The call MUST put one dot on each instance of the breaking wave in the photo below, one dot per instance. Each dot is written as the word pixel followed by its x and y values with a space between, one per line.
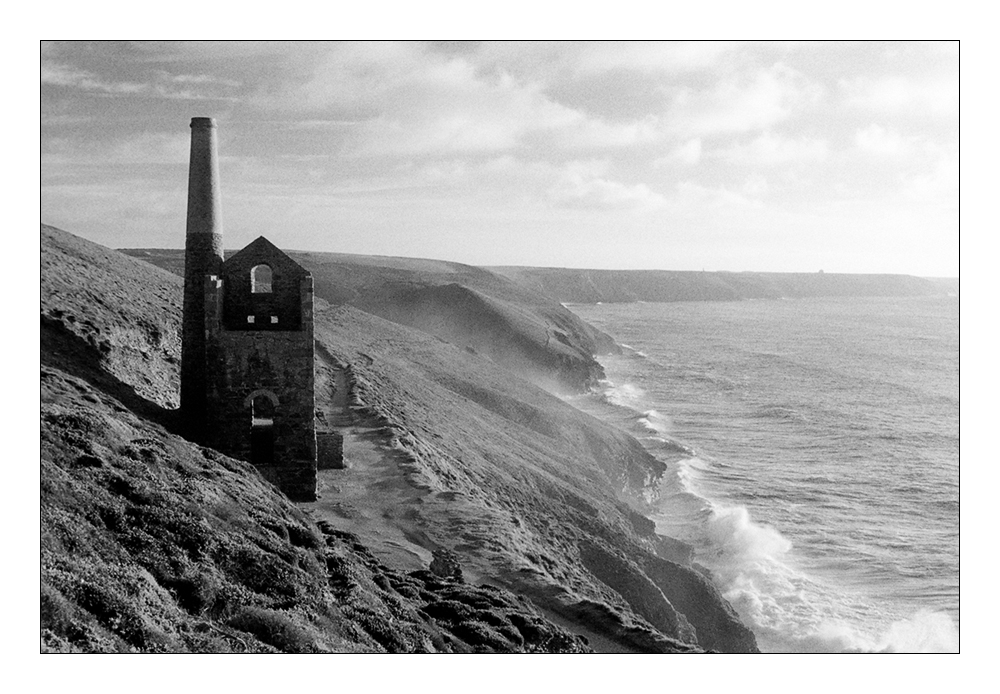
pixel 787 608
pixel 625 395
pixel 754 565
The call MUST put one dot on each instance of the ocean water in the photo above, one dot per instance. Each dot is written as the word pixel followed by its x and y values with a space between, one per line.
pixel 813 458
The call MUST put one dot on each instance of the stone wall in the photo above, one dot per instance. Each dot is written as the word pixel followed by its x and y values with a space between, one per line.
pixel 330 451
pixel 279 309
pixel 270 367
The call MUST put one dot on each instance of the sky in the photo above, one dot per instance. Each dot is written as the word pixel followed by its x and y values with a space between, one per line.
pixel 664 155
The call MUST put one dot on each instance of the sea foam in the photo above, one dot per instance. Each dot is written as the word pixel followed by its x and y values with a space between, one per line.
pixel 753 563
pixel 788 609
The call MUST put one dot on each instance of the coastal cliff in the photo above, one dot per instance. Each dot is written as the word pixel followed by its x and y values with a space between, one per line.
pixel 622 286
pixel 514 326
pixel 152 543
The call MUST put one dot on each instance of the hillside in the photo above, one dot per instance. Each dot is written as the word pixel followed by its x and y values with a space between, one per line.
pixel 152 543
pixel 620 286
pixel 516 327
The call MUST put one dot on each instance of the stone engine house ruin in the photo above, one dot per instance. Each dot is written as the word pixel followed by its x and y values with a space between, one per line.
pixel 247 362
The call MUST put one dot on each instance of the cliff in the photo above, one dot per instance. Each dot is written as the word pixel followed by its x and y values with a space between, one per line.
pixel 152 543
pixel 517 327
pixel 620 286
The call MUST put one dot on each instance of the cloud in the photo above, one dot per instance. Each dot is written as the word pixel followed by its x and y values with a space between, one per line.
pixel 772 150
pixel 408 100
pixel 734 104
pixel 879 141
pixel 687 154
pixel 935 94
pixel 755 186
pixel 199 79
pixel 691 195
pixel 64 155
pixel 655 56
pixel 941 182
pixel 553 61
pixel 65 76
pixel 578 184
pixel 163 85
pixel 582 184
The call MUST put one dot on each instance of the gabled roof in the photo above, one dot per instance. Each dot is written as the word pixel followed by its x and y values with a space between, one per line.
pixel 261 251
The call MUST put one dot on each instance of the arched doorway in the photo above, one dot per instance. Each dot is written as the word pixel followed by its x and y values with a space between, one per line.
pixel 263 404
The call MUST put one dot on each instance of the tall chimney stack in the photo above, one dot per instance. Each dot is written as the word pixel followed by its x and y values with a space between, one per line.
pixel 203 256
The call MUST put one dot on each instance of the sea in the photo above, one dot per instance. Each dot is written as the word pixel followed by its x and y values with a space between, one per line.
pixel 812 448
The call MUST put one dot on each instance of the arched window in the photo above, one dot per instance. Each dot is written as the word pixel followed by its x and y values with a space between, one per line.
pixel 260 279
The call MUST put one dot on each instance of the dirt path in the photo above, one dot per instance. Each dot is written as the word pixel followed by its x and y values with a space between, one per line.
pixel 373 499
pixel 372 496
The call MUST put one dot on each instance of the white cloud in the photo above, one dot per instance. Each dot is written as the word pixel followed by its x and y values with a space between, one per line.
pixel 63 156
pixel 770 150
pixel 755 186
pixel 163 85
pixel 941 182
pixel 934 94
pixel 575 184
pixel 65 76
pixel 555 60
pixel 694 195
pixel 878 140
pixel 199 79
pixel 583 184
pixel 408 101
pixel 656 56
pixel 687 154
pixel 736 105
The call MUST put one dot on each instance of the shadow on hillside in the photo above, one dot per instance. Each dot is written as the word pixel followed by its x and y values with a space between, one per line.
pixel 63 349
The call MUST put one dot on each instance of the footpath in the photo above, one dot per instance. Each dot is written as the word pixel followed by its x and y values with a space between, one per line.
pixel 370 494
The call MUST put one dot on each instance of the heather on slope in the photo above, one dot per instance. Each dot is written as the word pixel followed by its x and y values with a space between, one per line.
pixel 153 544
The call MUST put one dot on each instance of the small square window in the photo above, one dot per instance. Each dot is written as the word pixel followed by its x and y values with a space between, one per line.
pixel 274 319
pixel 249 319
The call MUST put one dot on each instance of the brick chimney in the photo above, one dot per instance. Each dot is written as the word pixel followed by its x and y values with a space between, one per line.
pixel 203 256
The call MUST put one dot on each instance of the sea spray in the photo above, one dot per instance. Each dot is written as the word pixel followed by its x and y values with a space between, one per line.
pixel 788 610
pixel 624 395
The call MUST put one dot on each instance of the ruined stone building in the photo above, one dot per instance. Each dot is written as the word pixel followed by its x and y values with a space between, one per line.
pixel 247 378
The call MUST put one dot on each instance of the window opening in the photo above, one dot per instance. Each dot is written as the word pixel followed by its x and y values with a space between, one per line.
pixel 250 319
pixel 274 319
pixel 260 279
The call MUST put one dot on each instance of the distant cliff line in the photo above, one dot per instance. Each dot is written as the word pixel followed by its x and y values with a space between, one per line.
pixel 623 286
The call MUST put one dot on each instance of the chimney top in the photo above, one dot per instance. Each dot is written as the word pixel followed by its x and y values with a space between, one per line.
pixel 202 122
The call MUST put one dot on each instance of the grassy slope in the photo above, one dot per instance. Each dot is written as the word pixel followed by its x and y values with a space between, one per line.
pixel 523 487
pixel 151 543
pixel 516 327
pixel 527 489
